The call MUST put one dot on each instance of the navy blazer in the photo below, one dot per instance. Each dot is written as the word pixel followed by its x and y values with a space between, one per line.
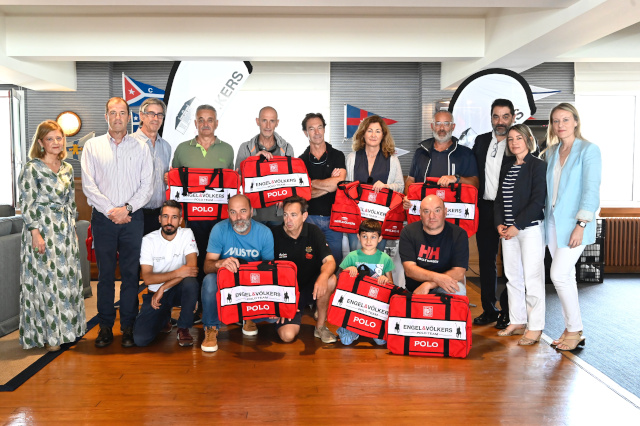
pixel 529 192
pixel 480 150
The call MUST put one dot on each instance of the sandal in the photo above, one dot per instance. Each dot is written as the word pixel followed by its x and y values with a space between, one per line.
pixel 559 339
pixel 572 341
pixel 511 332
pixel 526 341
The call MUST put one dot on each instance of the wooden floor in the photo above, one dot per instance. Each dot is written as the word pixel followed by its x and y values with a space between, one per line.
pixel 259 380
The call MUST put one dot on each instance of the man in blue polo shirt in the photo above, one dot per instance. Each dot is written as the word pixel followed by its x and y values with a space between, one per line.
pixel 442 157
pixel 238 237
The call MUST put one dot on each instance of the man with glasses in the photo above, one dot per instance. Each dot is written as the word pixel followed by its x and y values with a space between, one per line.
pixel 442 157
pixel 152 112
pixel 116 178
pixel 326 167
pixel 489 153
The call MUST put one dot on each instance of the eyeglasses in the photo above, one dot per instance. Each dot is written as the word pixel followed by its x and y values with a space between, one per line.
pixel 442 123
pixel 154 115
pixel 495 150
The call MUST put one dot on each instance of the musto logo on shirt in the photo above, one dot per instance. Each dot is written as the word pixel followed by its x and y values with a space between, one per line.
pixel 257 293
pixel 361 304
pixel 372 211
pixel 435 329
pixel 265 183
pixel 210 196
pixel 240 252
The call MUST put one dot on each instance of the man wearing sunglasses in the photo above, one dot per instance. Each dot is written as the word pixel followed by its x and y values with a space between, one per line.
pixel 152 112
pixel 489 152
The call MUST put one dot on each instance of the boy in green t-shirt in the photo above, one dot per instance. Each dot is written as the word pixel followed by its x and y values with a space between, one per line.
pixel 379 264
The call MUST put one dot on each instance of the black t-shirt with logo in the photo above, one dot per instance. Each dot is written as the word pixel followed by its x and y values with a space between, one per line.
pixel 321 168
pixel 436 253
pixel 307 252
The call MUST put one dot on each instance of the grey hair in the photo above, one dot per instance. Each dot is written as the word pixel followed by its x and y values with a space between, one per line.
pixel 206 107
pixel 443 110
pixel 153 101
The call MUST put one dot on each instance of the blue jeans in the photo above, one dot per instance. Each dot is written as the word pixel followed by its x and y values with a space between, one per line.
pixel 150 321
pixel 354 243
pixel 117 243
pixel 209 303
pixel 334 239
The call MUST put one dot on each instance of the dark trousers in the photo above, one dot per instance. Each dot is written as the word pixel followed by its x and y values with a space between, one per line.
pixel 150 321
pixel 488 241
pixel 151 221
pixel 117 243
pixel 201 230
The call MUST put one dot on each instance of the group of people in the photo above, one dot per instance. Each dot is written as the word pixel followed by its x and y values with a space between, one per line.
pixel 125 176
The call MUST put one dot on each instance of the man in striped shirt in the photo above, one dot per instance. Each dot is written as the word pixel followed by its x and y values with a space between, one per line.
pixel 116 178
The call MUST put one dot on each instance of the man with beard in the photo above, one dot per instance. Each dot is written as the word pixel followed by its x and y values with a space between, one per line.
pixel 489 152
pixel 152 112
pixel 238 237
pixel 168 260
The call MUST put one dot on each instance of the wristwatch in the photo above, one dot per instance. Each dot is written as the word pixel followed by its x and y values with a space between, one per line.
pixel 129 208
pixel 457 176
pixel 581 223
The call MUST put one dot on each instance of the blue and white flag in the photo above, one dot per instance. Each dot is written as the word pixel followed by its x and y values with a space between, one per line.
pixel 136 92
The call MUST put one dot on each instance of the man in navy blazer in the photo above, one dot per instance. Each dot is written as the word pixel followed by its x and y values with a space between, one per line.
pixel 489 151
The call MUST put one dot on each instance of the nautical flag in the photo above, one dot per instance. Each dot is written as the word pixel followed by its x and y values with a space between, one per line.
pixel 353 116
pixel 135 121
pixel 74 148
pixel 135 92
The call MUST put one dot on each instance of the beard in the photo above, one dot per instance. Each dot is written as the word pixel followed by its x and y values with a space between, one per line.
pixel 169 229
pixel 444 138
pixel 500 130
pixel 240 225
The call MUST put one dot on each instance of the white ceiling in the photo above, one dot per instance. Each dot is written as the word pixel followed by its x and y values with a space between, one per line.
pixel 40 40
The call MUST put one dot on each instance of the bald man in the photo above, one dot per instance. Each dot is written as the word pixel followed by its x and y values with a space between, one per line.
pixel 434 252
pixel 266 143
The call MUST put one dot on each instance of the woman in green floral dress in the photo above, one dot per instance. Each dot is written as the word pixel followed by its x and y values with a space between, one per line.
pixel 51 302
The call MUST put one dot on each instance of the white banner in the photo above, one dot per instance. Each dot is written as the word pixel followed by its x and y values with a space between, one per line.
pixel 209 196
pixel 195 83
pixel 372 211
pixel 266 183
pixel 361 304
pixel 435 329
pixel 257 293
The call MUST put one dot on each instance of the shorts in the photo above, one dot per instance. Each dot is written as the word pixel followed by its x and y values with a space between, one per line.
pixel 297 320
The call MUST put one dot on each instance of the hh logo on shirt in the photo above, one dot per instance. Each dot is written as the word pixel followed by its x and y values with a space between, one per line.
pixel 429 253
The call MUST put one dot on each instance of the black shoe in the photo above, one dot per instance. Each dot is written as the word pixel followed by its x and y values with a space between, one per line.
pixel 127 338
pixel 105 337
pixel 485 318
pixel 503 321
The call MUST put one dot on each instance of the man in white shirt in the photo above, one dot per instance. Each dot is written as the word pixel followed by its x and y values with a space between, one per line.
pixel 152 112
pixel 116 178
pixel 489 152
pixel 168 260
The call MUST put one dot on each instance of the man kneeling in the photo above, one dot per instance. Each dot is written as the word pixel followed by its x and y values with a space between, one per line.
pixel 168 262
pixel 305 245
pixel 434 253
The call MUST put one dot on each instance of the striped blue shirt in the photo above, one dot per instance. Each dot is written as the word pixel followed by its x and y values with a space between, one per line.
pixel 161 156
pixel 113 175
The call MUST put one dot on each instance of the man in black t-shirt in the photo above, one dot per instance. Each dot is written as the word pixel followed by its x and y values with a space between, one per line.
pixel 305 245
pixel 434 253
pixel 326 167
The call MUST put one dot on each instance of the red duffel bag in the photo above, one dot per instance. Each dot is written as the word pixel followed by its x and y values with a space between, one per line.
pixel 258 290
pixel 384 206
pixel 460 199
pixel 436 325
pixel 268 182
pixel 361 305
pixel 204 193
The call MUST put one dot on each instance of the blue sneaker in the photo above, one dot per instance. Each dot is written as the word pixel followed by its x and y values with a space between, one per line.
pixel 380 342
pixel 347 337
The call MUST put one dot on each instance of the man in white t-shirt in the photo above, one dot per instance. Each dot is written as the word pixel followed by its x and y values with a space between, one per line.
pixel 168 262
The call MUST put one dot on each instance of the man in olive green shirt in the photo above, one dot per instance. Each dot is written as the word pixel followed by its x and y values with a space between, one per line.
pixel 208 152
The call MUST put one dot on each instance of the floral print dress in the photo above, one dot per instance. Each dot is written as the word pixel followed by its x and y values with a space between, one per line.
pixel 51 300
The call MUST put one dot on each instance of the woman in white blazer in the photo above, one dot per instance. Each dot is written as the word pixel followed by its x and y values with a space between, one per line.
pixel 574 168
